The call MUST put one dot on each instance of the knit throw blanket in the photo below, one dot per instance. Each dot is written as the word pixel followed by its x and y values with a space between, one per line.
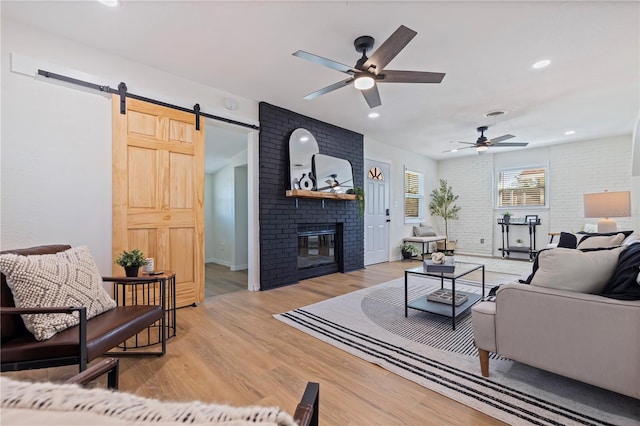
pixel 129 407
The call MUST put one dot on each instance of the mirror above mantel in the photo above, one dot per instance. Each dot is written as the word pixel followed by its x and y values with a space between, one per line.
pixel 315 175
pixel 302 147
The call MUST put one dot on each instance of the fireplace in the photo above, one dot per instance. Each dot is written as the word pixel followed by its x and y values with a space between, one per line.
pixel 319 249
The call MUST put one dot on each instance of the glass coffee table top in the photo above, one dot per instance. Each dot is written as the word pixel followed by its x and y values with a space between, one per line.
pixel 461 269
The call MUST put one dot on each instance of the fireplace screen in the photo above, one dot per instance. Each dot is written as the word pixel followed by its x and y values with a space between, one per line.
pixel 316 248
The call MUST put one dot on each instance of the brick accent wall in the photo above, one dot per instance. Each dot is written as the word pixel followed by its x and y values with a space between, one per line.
pixel 574 169
pixel 278 215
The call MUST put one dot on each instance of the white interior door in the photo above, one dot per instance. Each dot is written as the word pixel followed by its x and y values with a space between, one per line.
pixel 376 220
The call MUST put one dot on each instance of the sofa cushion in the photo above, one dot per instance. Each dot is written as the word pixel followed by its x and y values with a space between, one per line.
pixel 576 270
pixel 595 241
pixel 112 407
pixel 68 278
pixel 423 231
pixel 625 282
pixel 567 240
pixel 571 240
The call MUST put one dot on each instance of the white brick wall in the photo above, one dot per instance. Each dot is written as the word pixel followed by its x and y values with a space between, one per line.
pixel 585 167
pixel 574 169
pixel 471 178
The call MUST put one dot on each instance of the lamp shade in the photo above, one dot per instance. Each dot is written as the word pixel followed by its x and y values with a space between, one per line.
pixel 606 205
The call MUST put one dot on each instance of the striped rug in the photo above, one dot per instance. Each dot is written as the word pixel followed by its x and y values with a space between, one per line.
pixel 370 324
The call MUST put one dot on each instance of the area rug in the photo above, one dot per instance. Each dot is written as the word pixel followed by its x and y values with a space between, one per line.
pixel 503 266
pixel 370 324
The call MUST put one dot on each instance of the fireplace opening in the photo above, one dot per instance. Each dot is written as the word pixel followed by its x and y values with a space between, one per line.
pixel 319 250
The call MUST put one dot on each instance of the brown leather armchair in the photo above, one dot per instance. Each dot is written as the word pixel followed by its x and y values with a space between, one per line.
pixel 19 350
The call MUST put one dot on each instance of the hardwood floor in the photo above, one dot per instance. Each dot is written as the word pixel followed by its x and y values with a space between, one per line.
pixel 230 349
pixel 219 279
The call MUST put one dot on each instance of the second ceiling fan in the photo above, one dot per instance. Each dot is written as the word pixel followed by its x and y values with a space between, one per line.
pixel 483 143
pixel 368 71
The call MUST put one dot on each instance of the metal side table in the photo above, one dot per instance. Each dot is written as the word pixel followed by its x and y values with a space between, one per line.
pixel 147 289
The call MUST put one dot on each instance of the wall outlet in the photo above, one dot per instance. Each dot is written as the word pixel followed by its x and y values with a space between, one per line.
pixel 481 240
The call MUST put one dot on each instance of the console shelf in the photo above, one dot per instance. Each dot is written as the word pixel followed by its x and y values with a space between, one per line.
pixel 508 249
pixel 303 193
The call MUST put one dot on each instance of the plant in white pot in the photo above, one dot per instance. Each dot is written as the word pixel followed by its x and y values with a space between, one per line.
pixel 443 204
pixel 131 261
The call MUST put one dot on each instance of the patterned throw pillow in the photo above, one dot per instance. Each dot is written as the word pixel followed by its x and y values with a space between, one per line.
pixel 68 278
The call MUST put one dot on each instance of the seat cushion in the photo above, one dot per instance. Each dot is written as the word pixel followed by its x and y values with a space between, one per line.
pixel 68 278
pixel 104 332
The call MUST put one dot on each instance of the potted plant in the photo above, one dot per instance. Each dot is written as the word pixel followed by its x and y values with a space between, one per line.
pixel 442 204
pixel 506 217
pixel 519 242
pixel 408 250
pixel 131 261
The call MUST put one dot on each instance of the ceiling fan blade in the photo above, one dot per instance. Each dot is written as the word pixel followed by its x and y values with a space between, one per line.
pixel 410 77
pixel 498 145
pixel 468 143
pixel 372 96
pixel 334 86
pixel 458 149
pixel 325 62
pixel 500 139
pixel 389 49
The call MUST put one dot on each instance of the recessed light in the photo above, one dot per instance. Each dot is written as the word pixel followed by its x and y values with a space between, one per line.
pixel 374 115
pixel 570 132
pixel 110 3
pixel 541 64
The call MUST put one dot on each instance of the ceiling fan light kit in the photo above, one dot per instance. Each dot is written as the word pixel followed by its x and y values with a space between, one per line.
pixel 370 70
pixel 363 81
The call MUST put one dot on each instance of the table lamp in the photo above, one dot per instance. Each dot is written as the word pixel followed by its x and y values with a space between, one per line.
pixel 607 205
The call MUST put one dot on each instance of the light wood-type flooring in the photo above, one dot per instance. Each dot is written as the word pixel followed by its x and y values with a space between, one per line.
pixel 230 349
pixel 219 279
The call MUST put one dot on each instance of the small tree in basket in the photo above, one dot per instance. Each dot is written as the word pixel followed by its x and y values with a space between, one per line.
pixel 442 204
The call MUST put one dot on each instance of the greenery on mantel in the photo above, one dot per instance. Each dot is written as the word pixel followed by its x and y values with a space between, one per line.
pixel 359 193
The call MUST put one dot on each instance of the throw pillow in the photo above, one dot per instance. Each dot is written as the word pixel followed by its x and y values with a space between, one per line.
pixel 624 284
pixel 68 278
pixel 567 240
pixel 576 270
pixel 423 231
pixel 595 241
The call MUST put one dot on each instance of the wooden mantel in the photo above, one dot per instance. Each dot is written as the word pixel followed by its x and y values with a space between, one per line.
pixel 303 193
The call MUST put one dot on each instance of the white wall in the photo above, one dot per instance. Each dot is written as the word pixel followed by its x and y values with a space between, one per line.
pixel 574 169
pixel 398 159
pixel 56 141
pixel 241 197
pixel 221 244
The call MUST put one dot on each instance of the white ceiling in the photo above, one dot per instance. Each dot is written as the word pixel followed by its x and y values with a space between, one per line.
pixel 485 48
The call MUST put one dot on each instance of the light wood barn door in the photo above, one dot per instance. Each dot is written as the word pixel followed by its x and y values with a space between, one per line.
pixel 158 192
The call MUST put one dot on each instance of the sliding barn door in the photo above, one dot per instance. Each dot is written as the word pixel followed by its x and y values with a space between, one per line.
pixel 158 192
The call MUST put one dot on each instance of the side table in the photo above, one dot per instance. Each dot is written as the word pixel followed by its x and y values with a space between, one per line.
pixel 148 289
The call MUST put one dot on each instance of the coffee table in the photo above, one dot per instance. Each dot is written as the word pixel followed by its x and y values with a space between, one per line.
pixel 422 304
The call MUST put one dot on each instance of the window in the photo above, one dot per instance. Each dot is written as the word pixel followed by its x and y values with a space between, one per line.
pixel 522 187
pixel 413 196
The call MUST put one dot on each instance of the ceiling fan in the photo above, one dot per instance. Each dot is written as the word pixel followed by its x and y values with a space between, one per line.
pixel 368 71
pixel 483 143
